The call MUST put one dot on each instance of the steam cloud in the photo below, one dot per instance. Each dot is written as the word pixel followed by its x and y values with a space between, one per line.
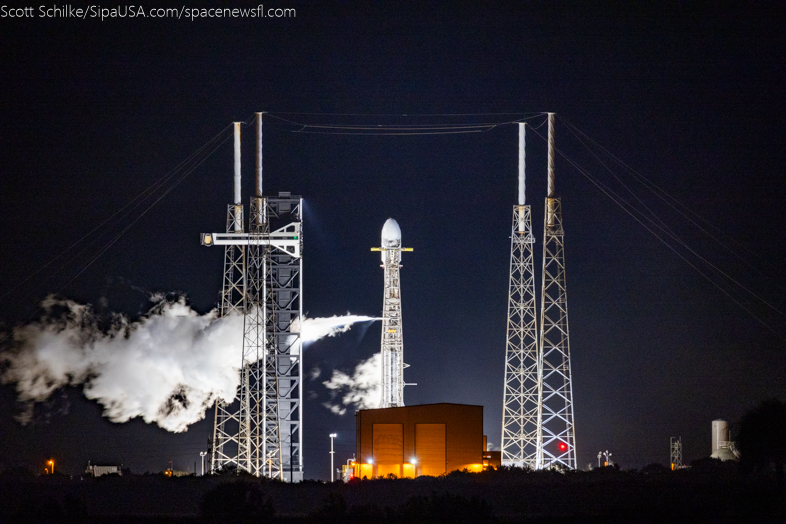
pixel 168 367
pixel 316 328
pixel 363 390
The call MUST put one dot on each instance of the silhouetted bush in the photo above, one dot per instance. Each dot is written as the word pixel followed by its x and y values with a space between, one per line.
pixel 237 502
pixel 371 513
pixel 18 474
pixel 334 509
pixel 446 507
pixel 761 439
pixel 74 507
pixel 655 469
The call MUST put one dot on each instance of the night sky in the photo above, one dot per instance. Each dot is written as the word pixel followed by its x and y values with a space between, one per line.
pixel 689 95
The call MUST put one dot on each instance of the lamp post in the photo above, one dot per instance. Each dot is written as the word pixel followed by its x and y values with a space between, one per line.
pixel 607 455
pixel 600 454
pixel 51 467
pixel 332 470
pixel 202 456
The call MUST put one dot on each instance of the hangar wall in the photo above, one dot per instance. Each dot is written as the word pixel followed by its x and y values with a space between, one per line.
pixel 409 441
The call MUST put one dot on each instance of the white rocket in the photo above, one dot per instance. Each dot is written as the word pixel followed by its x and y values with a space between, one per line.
pixel 392 344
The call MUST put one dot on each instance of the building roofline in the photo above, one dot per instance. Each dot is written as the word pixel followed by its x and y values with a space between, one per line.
pixel 423 405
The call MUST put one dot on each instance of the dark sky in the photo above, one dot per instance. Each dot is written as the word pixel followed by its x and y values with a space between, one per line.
pixel 688 94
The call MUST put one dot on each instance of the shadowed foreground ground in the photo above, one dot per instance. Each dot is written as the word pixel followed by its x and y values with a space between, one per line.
pixel 708 492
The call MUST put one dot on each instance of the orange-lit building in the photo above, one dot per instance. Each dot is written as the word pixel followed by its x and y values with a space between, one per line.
pixel 409 441
pixel 491 459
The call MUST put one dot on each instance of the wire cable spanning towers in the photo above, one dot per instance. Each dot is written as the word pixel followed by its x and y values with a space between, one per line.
pixel 392 344
pixel 262 432
pixel 537 421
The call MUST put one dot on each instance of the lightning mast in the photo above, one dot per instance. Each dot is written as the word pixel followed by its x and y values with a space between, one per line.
pixel 520 414
pixel 556 435
pixel 269 418
pixel 232 302
pixel 392 344
pixel 257 446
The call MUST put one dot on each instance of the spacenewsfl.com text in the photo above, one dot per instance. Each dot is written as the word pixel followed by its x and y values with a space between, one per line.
pixel 100 12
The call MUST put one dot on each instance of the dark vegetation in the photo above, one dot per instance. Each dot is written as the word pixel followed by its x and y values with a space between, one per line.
pixel 761 439
pixel 709 491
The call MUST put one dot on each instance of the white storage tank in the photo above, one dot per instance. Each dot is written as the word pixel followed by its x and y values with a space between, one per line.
pixel 720 435
pixel 721 446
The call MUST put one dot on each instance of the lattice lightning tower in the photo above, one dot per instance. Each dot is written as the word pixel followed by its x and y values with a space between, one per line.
pixel 520 415
pixel 556 439
pixel 392 344
pixel 269 417
pixel 225 427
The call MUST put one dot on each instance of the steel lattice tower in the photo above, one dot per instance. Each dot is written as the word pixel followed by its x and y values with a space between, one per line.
pixel 675 445
pixel 257 445
pixel 392 343
pixel 556 439
pixel 520 415
pixel 225 427
pixel 269 417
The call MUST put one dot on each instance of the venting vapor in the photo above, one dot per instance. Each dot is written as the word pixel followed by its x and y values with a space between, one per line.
pixel 361 390
pixel 316 328
pixel 168 367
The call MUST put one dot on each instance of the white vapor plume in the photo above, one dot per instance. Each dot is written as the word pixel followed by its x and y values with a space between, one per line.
pixel 167 367
pixel 363 390
pixel 315 328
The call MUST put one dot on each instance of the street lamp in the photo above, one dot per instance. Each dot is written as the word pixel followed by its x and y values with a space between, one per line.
pixel 52 467
pixel 332 471
pixel 202 454
pixel 600 454
pixel 607 455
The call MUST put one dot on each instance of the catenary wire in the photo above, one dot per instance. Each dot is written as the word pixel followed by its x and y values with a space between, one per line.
pixel 183 170
pixel 666 229
pixel 144 195
pixel 669 200
pixel 622 203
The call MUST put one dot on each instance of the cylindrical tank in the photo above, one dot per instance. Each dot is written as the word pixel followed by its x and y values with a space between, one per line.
pixel 720 434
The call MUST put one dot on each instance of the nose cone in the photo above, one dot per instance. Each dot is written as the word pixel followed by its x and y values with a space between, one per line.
pixel 391 234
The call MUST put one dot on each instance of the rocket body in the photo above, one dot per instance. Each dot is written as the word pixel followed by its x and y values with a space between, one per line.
pixel 392 343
